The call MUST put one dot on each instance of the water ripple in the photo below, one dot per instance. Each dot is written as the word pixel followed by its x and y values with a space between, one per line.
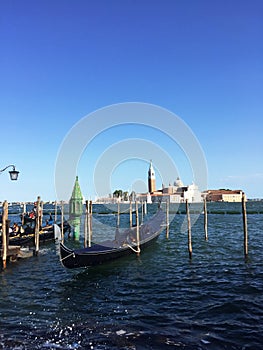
pixel 161 300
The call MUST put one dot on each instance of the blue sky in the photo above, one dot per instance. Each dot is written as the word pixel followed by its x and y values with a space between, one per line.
pixel 61 60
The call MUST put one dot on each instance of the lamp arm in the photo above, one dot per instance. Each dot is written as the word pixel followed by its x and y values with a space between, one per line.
pixel 7 167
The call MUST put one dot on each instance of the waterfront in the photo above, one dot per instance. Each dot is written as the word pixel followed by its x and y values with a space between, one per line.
pixel 161 300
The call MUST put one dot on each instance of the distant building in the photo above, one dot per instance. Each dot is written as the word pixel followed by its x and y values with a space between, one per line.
pixel 151 179
pixel 224 195
pixel 107 200
pixel 176 193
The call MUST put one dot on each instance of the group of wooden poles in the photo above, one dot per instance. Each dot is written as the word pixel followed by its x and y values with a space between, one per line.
pixel 88 224
pixel 244 215
pixel 6 225
pixel 88 221
pixel 39 220
pixel 38 226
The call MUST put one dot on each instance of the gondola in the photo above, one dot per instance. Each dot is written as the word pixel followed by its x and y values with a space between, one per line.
pixel 124 244
pixel 27 237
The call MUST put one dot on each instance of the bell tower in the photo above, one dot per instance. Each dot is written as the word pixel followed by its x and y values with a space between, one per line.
pixel 151 179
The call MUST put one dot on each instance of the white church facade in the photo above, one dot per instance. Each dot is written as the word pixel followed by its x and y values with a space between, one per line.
pixel 176 193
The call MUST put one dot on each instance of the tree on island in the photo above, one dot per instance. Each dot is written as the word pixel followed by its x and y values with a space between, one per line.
pixel 124 195
pixel 132 196
pixel 117 194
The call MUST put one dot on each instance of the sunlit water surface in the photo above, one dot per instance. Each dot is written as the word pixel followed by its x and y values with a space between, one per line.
pixel 161 300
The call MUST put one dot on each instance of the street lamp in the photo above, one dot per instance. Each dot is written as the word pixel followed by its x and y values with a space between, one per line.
pixel 13 173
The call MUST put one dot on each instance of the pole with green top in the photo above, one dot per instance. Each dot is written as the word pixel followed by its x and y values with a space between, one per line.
pixel 75 208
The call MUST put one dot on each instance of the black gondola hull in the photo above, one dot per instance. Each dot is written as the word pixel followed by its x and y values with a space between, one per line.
pixel 99 253
pixel 73 259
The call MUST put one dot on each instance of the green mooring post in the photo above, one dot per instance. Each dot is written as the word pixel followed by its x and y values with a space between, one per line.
pixel 75 208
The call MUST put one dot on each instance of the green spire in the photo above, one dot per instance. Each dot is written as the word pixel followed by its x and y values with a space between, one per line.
pixel 76 193
pixel 75 202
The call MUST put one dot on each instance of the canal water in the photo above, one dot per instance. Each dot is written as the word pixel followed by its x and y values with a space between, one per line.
pixel 160 300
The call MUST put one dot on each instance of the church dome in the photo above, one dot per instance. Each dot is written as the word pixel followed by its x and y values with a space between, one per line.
pixel 178 182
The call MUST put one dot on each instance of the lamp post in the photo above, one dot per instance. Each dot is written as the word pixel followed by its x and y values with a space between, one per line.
pixel 13 173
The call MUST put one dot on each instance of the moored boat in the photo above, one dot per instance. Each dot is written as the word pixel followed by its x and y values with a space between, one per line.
pixel 124 244
pixel 26 236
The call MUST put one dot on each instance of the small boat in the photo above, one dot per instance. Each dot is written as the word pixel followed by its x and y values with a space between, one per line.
pixel 27 236
pixel 124 244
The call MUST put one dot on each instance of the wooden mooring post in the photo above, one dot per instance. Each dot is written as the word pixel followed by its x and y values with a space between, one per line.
pixel 56 212
pixel 38 225
pixel 87 226
pixel 190 250
pixel 137 228
pixel 86 223
pixel 167 219
pixel 5 233
pixel 90 222
pixel 244 211
pixel 41 214
pixel 118 215
pixel 205 220
pixel 130 213
pixel 62 221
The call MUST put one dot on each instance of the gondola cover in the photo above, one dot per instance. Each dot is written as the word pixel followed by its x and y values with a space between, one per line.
pixel 125 243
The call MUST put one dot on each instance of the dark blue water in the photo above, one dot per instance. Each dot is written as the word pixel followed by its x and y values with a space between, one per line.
pixel 161 300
